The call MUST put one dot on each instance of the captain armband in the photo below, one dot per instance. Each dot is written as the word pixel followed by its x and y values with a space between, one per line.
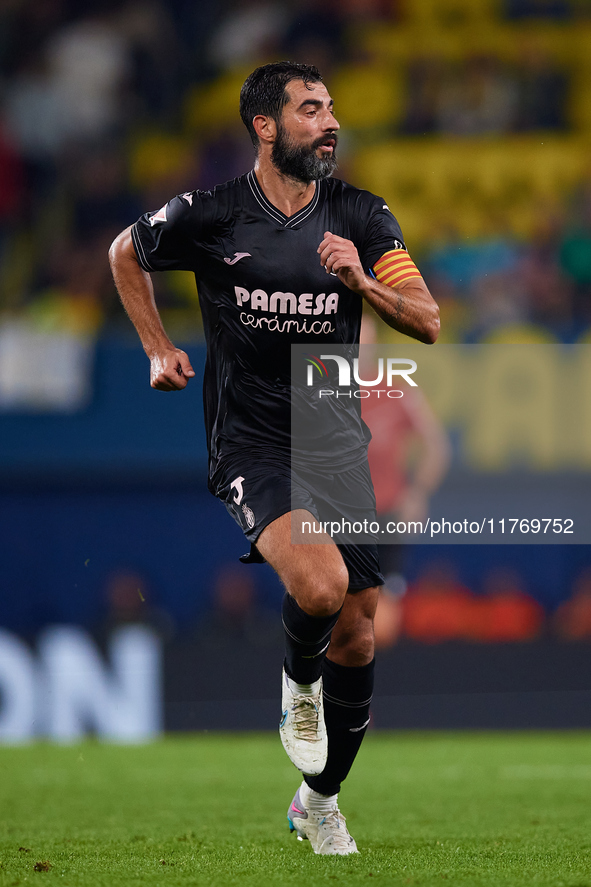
pixel 395 267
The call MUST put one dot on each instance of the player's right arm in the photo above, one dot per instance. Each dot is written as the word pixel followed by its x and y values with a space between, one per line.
pixel 170 368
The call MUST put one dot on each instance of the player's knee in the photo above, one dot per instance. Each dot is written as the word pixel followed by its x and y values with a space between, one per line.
pixel 323 592
pixel 327 597
pixel 354 645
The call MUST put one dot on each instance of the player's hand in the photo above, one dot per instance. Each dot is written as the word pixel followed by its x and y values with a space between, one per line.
pixel 170 370
pixel 339 256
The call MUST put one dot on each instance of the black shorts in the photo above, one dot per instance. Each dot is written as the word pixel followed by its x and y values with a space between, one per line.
pixel 257 492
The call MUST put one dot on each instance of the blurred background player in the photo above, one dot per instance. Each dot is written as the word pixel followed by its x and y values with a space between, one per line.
pixel 409 455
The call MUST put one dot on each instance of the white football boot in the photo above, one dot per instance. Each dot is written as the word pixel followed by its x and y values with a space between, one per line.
pixel 317 818
pixel 302 728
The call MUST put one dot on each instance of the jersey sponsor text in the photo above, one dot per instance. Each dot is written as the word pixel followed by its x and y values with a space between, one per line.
pixel 287 303
pixel 275 325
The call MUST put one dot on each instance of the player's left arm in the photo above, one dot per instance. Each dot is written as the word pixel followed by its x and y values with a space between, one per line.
pixel 407 306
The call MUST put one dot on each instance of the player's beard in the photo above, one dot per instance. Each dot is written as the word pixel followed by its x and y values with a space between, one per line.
pixel 300 162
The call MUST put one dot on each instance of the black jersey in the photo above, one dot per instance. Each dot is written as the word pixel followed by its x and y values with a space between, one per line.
pixel 262 288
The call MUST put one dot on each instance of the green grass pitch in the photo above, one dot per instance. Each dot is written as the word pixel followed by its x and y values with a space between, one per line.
pixel 210 809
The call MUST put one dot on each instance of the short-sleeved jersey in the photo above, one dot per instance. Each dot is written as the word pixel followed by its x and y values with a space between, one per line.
pixel 262 288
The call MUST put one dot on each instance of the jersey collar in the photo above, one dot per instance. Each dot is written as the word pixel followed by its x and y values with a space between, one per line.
pixel 276 214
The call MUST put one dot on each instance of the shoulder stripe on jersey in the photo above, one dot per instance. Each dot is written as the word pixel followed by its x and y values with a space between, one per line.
pixel 395 267
pixel 139 248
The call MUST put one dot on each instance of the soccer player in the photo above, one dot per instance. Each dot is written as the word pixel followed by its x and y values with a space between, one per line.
pixel 286 254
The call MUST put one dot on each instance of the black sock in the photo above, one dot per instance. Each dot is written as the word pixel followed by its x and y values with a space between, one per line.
pixel 347 696
pixel 306 641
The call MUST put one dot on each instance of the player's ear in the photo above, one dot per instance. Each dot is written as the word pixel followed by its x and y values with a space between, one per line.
pixel 265 128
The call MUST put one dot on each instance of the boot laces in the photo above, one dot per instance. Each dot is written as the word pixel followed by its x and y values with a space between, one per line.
pixel 305 717
pixel 334 826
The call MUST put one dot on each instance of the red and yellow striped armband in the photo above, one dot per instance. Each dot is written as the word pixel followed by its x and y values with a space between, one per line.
pixel 395 267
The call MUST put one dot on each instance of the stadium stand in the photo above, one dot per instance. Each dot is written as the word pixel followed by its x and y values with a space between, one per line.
pixel 472 119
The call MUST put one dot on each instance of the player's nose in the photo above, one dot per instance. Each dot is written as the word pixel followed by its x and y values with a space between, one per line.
pixel 330 122
pixel 333 123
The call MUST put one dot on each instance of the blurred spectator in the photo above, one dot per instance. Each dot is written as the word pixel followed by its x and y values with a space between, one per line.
pixel 193 24
pixel 315 33
pixel 88 63
pixel 157 61
pixel 575 251
pixel 463 263
pixel 236 615
pixel 66 93
pixel 409 455
pixel 482 95
pixel 478 97
pixel 543 89
pixel 249 33
pixel 437 607
pixel 572 620
pixel 388 617
pixel 35 117
pixel 497 299
pixel 25 25
pixel 548 292
pixel 225 156
pixel 129 600
pixel 505 613
pixel 102 202
pixel 77 289
pixel 373 10
pixel 423 87
pixel 554 9
pixel 12 188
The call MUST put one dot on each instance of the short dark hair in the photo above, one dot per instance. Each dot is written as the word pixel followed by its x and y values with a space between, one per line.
pixel 263 91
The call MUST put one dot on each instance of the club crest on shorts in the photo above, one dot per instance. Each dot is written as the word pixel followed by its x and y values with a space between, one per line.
pixel 248 515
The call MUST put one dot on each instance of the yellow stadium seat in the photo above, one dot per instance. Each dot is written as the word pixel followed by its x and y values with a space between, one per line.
pixel 450 13
pixel 214 105
pixel 156 156
pixel 366 96
pixel 471 178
